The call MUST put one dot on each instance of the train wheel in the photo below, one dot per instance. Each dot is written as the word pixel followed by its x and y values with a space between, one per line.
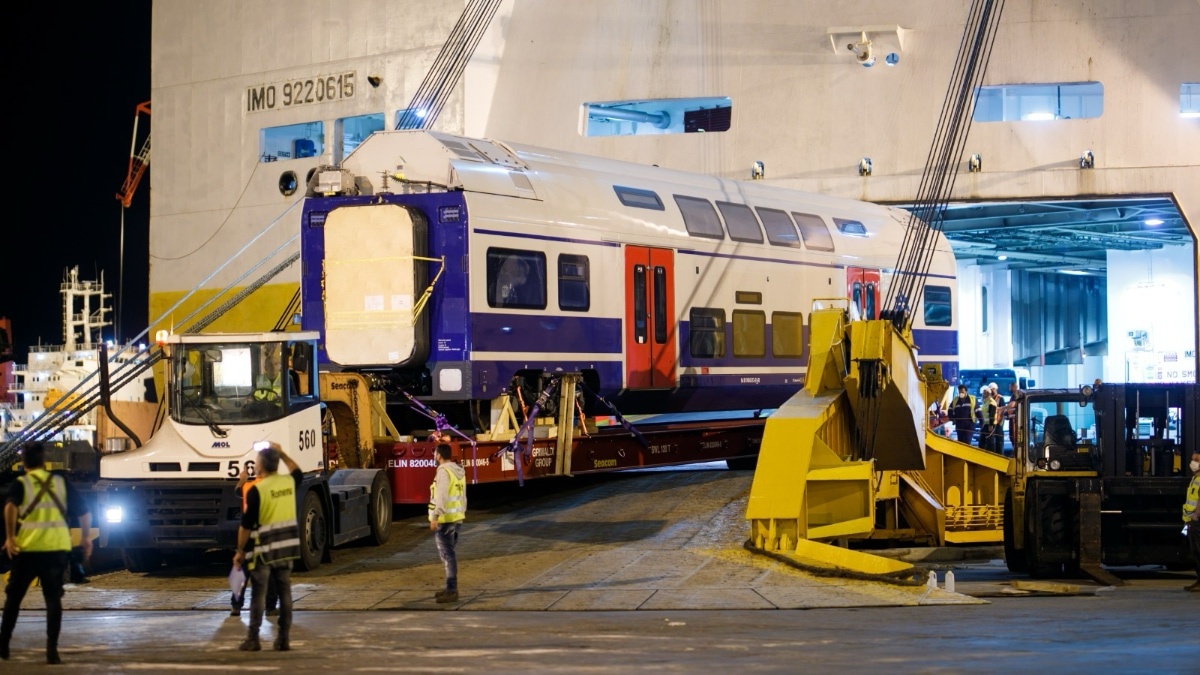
pixel 142 560
pixel 1014 559
pixel 312 532
pixel 380 517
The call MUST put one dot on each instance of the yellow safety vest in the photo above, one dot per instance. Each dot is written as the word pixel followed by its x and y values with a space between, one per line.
pixel 456 510
pixel 269 389
pixel 277 538
pixel 1193 497
pixel 42 525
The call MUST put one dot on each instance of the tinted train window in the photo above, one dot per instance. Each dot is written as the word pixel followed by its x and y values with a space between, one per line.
pixel 574 294
pixel 749 333
pixel 787 334
pixel 516 279
pixel 740 222
pixel 700 217
pixel 851 228
pixel 937 306
pixel 708 333
pixel 813 230
pixel 642 199
pixel 780 230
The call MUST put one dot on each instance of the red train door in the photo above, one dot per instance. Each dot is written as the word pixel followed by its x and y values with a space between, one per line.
pixel 649 318
pixel 862 288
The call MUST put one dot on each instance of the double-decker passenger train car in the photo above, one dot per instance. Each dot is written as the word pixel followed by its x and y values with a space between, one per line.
pixel 458 267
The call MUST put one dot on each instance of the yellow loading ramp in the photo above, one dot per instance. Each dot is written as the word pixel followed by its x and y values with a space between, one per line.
pixel 807 491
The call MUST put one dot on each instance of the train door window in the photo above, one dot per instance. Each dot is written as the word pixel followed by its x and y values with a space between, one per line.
pixel 856 298
pixel 699 217
pixel 639 304
pixel 707 333
pixel 937 306
pixel 749 333
pixel 574 291
pixel 850 228
pixel 869 301
pixel 740 222
pixel 779 227
pixel 516 279
pixel 642 199
pixel 814 232
pixel 787 334
pixel 660 305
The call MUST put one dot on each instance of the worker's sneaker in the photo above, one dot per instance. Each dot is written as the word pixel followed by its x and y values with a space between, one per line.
pixel 281 644
pixel 446 596
pixel 52 657
pixel 274 611
pixel 250 644
pixel 1195 588
pixel 235 611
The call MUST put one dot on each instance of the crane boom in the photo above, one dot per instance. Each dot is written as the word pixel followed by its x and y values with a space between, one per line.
pixel 139 158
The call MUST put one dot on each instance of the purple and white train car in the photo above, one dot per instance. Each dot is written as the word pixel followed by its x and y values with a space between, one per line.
pixel 458 266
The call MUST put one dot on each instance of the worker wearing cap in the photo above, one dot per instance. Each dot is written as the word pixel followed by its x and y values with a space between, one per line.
pixel 447 511
pixel 270 518
pixel 1191 518
pixel 37 540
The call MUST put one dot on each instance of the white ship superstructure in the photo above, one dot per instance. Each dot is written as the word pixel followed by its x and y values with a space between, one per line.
pixel 55 371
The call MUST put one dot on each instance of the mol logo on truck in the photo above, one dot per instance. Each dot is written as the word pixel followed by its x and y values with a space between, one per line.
pixel 221 444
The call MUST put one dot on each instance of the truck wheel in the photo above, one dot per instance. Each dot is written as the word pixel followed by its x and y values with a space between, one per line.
pixel 142 560
pixel 380 516
pixel 1014 559
pixel 312 532
pixel 742 463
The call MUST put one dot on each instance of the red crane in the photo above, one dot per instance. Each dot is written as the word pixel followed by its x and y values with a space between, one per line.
pixel 138 161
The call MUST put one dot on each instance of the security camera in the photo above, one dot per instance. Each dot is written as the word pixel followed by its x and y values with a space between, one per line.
pixel 862 51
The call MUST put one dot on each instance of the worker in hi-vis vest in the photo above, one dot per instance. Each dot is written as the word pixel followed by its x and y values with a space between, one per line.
pixel 269 520
pixel 447 510
pixel 37 540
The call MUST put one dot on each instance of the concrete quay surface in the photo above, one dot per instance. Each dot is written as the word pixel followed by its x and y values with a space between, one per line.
pixel 656 540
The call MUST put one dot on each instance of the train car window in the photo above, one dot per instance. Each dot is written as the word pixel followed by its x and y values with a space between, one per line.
pixel 850 228
pixel 699 217
pixel 937 306
pixel 814 232
pixel 740 222
pixel 707 333
pixel 780 229
pixel 660 305
pixel 749 333
pixel 574 291
pixel 516 279
pixel 641 199
pixel 787 334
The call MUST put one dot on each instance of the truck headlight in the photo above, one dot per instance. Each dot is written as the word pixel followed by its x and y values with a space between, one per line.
pixel 113 514
pixel 1055 465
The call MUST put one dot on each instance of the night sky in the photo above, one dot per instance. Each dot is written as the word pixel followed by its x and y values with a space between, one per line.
pixel 82 70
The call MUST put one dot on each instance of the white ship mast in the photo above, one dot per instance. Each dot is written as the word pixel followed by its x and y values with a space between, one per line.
pixel 83 325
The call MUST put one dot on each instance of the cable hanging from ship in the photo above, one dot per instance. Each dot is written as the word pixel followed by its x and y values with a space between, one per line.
pixel 926 218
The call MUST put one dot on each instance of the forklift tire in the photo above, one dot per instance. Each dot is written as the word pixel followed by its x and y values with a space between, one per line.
pixel 380 516
pixel 142 560
pixel 1014 559
pixel 1053 532
pixel 313 532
